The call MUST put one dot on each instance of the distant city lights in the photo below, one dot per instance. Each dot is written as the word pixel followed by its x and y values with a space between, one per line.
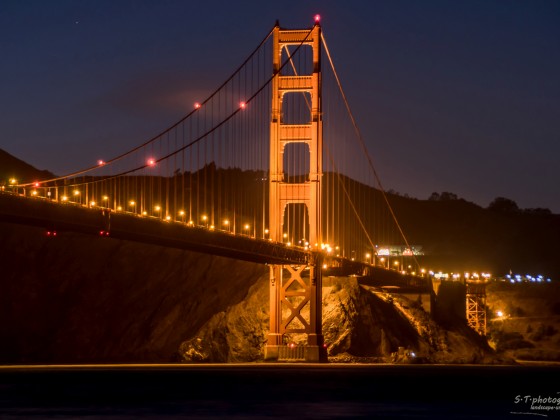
pixel 484 277
pixel 527 278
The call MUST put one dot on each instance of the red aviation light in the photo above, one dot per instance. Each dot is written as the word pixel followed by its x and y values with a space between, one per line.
pixel 151 162
pixel 317 18
pixel 242 105
pixel 197 105
pixel 101 162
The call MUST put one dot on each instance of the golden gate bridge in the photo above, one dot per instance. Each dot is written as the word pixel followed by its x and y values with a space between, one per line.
pixel 271 168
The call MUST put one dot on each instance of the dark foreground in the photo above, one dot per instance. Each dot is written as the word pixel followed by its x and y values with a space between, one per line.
pixel 281 391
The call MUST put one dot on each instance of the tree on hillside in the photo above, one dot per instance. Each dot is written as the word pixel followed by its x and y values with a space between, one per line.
pixel 538 211
pixel 444 196
pixel 504 205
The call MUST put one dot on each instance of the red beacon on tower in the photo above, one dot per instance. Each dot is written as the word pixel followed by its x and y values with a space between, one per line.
pixel 317 18
pixel 151 162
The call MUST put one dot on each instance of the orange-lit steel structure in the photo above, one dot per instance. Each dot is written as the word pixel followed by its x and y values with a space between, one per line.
pixel 295 291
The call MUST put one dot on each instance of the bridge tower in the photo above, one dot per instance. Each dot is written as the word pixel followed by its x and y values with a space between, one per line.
pixel 295 292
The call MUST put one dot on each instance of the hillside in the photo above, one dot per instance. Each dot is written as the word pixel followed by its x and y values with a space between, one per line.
pixel 524 320
pixel 455 235
pixel 460 236
pixel 12 167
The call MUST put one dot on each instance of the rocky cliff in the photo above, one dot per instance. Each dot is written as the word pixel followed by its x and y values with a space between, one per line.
pixel 360 324
pixel 73 298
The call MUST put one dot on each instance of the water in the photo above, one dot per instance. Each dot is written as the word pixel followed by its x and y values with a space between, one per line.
pixel 295 391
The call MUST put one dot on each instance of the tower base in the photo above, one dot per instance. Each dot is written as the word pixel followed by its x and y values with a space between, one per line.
pixel 295 353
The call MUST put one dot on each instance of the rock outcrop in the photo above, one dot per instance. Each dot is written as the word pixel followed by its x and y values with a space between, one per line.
pixel 360 324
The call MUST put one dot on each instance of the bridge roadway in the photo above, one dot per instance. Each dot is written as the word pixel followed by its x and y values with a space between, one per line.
pixel 60 217
pixel 54 216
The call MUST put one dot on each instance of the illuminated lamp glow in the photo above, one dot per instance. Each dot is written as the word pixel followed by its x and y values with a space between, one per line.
pixel 101 162
pixel 36 184
pixel 151 162
pixel 242 105
pixel 64 198
pixel 34 192
pixel 383 251
pixel 317 18
pixel 197 105
pixel 167 217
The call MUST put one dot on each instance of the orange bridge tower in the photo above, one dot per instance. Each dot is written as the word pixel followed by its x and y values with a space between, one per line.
pixel 295 291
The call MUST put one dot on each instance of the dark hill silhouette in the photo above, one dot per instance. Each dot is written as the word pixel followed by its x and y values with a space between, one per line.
pixel 12 167
pixel 460 235
pixel 456 235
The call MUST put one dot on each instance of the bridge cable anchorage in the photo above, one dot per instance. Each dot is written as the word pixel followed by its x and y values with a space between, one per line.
pixel 364 148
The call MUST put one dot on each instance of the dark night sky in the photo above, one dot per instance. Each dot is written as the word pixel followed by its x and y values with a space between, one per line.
pixel 450 96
